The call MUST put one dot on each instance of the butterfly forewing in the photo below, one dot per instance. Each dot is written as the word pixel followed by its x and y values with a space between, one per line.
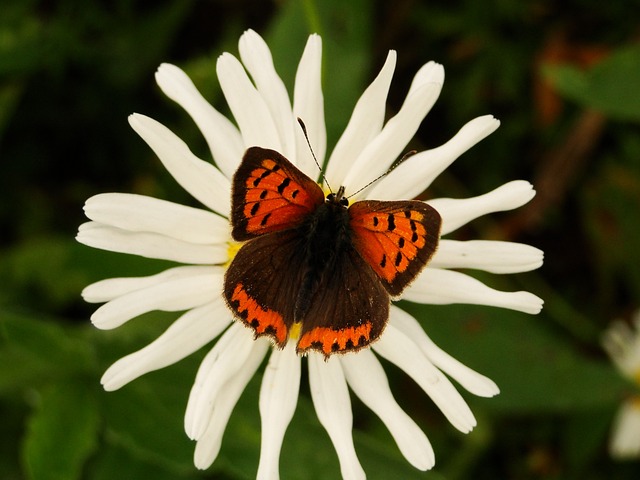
pixel 397 239
pixel 270 195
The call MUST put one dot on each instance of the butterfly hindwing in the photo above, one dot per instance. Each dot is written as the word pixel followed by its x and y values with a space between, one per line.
pixel 270 194
pixel 260 281
pixel 397 239
pixel 348 310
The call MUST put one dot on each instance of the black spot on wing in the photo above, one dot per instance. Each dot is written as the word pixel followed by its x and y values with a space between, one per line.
pixel 391 222
pixel 264 174
pixel 265 219
pixel 285 183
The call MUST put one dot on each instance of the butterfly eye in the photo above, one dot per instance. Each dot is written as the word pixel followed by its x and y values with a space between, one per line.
pixel 344 201
pixel 331 197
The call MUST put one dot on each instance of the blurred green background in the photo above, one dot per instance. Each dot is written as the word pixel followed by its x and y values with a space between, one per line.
pixel 563 77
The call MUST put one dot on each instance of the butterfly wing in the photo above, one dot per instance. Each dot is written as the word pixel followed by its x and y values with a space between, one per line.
pixel 270 194
pixel 261 282
pixel 397 239
pixel 348 310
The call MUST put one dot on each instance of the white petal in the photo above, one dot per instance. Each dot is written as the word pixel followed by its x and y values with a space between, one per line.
pixel 202 180
pixel 222 136
pixel 248 107
pixel 622 343
pixel 387 146
pixel 257 59
pixel 415 174
pixel 170 296
pixel 108 289
pixel 472 381
pixel 458 212
pixel 625 441
pixel 488 255
pixel 443 287
pixel 208 445
pixel 278 400
pixel 308 104
pixel 221 364
pixel 430 72
pixel 402 351
pixel 365 123
pixel 367 379
pixel 190 332
pixel 149 245
pixel 331 401
pixel 138 213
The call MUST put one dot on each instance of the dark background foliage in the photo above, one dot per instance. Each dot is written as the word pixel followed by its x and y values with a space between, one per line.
pixel 563 78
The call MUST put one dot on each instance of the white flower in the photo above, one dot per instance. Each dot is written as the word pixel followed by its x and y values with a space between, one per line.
pixel 200 238
pixel 622 342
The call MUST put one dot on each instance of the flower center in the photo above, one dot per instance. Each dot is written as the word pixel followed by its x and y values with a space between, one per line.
pixel 294 331
pixel 232 249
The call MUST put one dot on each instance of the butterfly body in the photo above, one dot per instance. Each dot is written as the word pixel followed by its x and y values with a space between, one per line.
pixel 323 238
pixel 319 263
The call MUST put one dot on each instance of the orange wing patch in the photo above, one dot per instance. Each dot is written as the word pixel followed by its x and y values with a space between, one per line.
pixel 270 194
pixel 392 240
pixel 328 340
pixel 262 320
pixel 397 239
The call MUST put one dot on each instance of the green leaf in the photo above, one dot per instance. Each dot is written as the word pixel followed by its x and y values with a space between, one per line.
pixel 536 371
pixel 382 460
pixel 21 39
pixel 40 351
pixel 31 272
pixel 34 269
pixel 13 415
pixel 610 212
pixel 10 95
pixel 115 461
pixel 61 433
pixel 146 417
pixel 610 87
pixel 584 436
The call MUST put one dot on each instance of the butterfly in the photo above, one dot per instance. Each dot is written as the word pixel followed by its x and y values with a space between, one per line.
pixel 316 266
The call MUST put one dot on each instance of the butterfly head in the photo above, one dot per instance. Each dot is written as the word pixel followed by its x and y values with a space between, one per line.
pixel 338 198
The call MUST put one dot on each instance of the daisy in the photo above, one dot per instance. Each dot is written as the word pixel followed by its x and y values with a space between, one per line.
pixel 200 239
pixel 622 343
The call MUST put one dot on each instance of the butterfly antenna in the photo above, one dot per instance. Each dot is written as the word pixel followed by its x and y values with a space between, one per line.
pixel 410 153
pixel 306 136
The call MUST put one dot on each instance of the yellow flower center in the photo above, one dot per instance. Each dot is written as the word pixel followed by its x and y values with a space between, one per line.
pixel 232 249
pixel 294 332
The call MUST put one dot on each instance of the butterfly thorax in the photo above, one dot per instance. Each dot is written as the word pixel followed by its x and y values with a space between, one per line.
pixel 325 237
pixel 338 198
